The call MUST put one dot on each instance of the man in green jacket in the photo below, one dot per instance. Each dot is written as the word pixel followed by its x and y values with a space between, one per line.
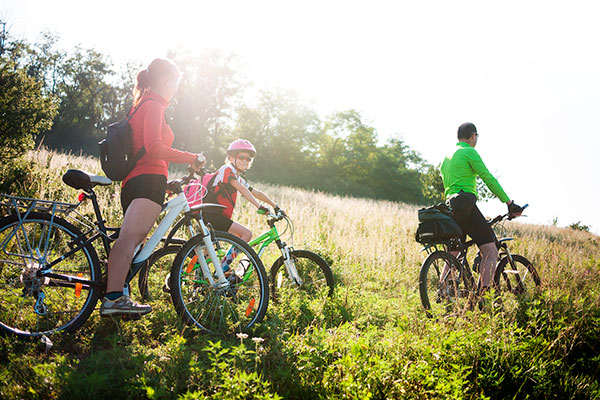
pixel 459 173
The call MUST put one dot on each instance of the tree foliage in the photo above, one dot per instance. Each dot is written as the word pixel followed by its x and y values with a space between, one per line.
pixel 203 110
pixel 340 153
pixel 24 110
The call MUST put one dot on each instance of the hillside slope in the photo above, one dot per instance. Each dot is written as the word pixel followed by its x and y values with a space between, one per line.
pixel 371 340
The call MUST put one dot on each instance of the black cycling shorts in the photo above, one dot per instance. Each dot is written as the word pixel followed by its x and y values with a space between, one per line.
pixel 219 222
pixel 476 226
pixel 146 186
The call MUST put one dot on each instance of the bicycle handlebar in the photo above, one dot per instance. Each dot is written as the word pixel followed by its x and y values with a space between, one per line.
pixel 175 185
pixel 507 216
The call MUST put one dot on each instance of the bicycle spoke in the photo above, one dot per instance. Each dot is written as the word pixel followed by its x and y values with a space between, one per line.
pixel 219 309
pixel 21 284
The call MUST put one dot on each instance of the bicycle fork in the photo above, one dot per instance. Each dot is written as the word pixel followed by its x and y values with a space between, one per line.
pixel 290 266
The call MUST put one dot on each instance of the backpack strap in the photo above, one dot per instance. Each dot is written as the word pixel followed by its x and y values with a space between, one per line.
pixel 136 108
pixel 142 151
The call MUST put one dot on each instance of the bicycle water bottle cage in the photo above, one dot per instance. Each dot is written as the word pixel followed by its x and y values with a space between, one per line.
pixel 83 180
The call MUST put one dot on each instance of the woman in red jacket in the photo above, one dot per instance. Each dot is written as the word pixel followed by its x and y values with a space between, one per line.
pixel 143 190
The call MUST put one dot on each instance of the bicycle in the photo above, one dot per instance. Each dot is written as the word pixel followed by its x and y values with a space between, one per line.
pixel 51 276
pixel 306 271
pixel 447 284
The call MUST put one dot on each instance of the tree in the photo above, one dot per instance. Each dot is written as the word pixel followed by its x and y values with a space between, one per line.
pixel 204 106
pixel 24 110
pixel 283 130
pixel 433 186
pixel 396 175
pixel 578 226
pixel 86 101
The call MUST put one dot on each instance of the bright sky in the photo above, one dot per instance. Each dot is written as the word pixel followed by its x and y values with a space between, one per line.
pixel 527 73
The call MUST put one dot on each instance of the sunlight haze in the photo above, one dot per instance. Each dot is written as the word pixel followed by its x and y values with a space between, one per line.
pixel 526 73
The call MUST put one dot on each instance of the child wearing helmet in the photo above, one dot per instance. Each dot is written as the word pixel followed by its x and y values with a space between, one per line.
pixel 224 187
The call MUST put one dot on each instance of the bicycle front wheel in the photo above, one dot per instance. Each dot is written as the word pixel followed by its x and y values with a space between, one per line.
pixel 220 309
pixel 316 278
pixel 517 276
pixel 444 285
pixel 33 304
pixel 153 280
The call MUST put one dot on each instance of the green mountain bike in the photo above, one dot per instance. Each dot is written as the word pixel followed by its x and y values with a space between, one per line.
pixel 300 270
pixel 296 270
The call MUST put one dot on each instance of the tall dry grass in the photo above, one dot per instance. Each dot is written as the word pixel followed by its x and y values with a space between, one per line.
pixel 370 340
pixel 369 243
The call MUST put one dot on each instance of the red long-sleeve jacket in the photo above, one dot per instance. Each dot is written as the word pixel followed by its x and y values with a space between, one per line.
pixel 150 129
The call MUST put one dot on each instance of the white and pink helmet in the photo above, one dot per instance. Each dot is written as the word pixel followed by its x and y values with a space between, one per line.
pixel 241 145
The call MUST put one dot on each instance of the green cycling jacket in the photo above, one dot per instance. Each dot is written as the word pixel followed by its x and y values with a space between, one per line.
pixel 460 170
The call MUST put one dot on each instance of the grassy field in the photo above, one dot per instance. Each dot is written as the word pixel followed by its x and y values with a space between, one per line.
pixel 370 340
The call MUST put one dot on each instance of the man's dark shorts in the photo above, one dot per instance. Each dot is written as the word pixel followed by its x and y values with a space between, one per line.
pixel 147 186
pixel 470 219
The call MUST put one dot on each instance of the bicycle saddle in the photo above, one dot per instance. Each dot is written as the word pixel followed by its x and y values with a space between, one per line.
pixel 84 180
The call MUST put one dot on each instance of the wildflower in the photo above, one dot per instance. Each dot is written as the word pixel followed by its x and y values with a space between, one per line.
pixel 242 336
pixel 258 340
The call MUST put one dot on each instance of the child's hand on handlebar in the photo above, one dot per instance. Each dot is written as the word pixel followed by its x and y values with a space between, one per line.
pixel 262 210
pixel 280 211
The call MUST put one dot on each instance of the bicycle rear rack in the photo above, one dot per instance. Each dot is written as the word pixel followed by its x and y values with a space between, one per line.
pixel 22 206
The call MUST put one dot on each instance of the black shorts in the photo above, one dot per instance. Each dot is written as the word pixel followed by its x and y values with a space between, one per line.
pixel 477 228
pixel 219 222
pixel 147 186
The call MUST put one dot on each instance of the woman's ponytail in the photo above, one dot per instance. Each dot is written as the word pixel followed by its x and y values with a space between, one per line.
pixel 142 85
pixel 146 78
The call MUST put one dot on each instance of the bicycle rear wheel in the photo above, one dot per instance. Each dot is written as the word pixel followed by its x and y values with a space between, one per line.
pixel 445 286
pixel 516 277
pixel 220 310
pixel 33 305
pixel 316 276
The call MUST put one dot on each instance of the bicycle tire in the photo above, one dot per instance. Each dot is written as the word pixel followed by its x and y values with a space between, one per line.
pixel 221 311
pixel 68 305
pixel 172 240
pixel 517 279
pixel 316 275
pixel 440 300
pixel 154 286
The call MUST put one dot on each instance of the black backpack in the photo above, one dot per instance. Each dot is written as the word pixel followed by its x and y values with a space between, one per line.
pixel 436 225
pixel 116 150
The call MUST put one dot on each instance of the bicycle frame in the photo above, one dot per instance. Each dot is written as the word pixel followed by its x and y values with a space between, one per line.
pixel 174 207
pixel 265 240
pixel 272 235
pixel 456 245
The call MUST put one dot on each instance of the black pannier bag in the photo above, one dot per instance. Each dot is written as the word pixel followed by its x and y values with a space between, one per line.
pixel 436 225
pixel 116 151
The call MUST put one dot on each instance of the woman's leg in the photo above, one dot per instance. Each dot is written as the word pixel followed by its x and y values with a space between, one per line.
pixel 139 219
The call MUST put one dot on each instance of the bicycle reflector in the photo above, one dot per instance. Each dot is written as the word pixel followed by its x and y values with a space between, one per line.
pixel 191 265
pixel 78 286
pixel 81 197
pixel 250 307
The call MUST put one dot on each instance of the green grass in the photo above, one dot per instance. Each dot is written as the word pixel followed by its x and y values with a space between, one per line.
pixel 370 340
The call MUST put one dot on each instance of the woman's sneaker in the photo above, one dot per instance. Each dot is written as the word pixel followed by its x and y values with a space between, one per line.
pixel 122 306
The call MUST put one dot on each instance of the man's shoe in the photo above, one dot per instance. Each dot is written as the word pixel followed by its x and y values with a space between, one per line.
pixel 122 306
